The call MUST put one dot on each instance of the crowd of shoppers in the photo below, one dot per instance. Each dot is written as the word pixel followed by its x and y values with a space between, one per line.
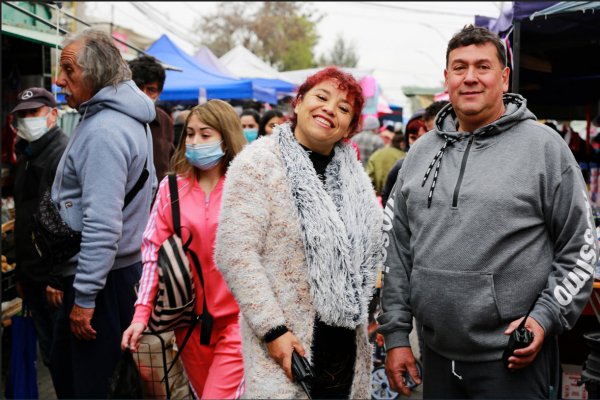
pixel 284 216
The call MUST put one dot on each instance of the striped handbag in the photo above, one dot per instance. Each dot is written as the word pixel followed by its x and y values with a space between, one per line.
pixel 174 305
pixel 175 301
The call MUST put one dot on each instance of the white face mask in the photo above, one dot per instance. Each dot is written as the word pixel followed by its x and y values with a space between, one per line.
pixel 31 129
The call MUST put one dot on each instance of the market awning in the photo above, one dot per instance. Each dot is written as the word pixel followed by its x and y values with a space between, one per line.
pixel 31 35
pixel 568 7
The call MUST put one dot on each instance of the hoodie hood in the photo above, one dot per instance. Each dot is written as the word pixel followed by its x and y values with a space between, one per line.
pixel 125 98
pixel 516 111
pixel 446 123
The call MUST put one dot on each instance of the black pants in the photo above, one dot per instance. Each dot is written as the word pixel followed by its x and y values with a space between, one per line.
pixel 334 354
pixel 81 369
pixel 445 379
pixel 44 316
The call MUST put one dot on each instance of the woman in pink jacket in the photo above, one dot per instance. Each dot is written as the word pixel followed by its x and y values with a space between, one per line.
pixel 213 137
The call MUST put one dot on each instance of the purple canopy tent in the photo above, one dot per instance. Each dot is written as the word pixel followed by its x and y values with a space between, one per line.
pixel 554 47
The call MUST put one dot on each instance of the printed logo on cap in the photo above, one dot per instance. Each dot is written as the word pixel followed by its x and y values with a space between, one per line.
pixel 27 95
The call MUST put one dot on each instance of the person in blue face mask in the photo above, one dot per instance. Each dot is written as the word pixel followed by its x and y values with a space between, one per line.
pixel 213 137
pixel 250 121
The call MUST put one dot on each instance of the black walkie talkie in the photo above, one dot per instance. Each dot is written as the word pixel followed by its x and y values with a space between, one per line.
pixel 301 371
pixel 519 338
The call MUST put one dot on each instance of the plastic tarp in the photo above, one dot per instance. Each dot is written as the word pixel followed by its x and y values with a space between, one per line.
pixel 523 9
pixel 516 11
pixel 186 85
pixel 556 57
pixel 567 7
pixel 207 58
pixel 298 76
pixel 246 64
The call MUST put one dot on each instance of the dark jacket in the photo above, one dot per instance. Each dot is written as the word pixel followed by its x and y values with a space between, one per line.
pixel 162 140
pixel 390 181
pixel 34 173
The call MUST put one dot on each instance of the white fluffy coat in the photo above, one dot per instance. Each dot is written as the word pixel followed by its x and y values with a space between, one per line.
pixel 262 255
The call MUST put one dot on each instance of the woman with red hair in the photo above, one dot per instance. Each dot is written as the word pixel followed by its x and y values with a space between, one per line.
pixel 298 243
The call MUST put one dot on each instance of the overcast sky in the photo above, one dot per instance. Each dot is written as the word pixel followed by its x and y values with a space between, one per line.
pixel 404 43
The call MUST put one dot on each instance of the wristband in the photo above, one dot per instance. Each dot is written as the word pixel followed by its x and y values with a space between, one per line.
pixel 275 333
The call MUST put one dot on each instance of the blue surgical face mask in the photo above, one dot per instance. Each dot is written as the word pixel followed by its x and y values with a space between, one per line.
pixel 204 156
pixel 251 134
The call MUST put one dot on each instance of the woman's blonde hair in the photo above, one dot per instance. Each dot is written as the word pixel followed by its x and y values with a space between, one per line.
pixel 220 116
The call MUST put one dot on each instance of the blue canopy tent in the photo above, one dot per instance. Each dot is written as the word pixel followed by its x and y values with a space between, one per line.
pixel 245 64
pixel 277 84
pixel 186 85
pixel 206 58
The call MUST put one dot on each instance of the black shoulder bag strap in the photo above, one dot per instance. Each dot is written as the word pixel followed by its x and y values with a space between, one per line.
pixel 140 182
pixel 138 185
pixel 205 317
pixel 175 204
pixel 176 216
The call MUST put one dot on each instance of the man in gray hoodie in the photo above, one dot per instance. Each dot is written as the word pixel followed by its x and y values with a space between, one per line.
pixel 489 217
pixel 102 190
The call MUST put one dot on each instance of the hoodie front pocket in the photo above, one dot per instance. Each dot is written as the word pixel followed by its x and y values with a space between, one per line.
pixel 457 308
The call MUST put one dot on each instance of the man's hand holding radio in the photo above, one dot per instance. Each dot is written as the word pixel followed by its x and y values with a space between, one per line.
pixel 525 356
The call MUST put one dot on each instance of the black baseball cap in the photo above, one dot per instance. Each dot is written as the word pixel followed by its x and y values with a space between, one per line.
pixel 34 97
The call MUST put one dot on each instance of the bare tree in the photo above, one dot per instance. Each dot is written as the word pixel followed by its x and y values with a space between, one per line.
pixel 282 33
pixel 343 54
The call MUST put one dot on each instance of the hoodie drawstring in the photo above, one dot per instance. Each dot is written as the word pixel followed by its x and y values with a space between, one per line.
pixel 454 371
pixel 438 159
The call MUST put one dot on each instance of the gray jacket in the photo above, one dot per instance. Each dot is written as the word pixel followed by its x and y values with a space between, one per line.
pixel 103 161
pixel 508 218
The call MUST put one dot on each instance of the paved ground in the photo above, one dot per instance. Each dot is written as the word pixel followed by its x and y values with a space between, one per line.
pixel 45 387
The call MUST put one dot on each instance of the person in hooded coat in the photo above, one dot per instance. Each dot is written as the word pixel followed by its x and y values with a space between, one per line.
pixel 488 219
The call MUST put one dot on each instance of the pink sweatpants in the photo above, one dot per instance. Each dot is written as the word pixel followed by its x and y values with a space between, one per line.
pixel 215 371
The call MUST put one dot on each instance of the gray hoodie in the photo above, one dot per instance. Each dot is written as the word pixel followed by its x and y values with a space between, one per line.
pixel 102 162
pixel 508 218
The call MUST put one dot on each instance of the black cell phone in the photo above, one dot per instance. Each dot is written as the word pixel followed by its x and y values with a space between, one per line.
pixel 302 371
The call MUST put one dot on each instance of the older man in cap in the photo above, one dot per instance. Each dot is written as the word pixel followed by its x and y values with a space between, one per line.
pixel 39 149
pixel 103 191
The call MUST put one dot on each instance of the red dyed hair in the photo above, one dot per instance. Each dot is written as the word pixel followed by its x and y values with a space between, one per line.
pixel 414 126
pixel 346 82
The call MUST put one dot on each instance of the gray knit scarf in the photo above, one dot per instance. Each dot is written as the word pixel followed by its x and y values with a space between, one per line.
pixel 340 224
